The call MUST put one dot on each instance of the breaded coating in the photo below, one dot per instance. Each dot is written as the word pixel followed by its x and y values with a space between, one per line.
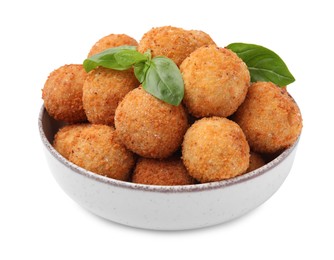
pixel 215 149
pixel 103 90
pixel 67 137
pixel 169 172
pixel 201 38
pixel 62 93
pixel 269 117
pixel 148 126
pixel 216 81
pixel 111 41
pixel 255 161
pixel 100 151
pixel 172 42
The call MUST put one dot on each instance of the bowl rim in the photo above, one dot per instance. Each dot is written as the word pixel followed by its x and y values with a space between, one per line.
pixel 160 188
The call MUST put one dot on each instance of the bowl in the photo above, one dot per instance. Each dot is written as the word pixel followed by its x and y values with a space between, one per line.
pixel 163 207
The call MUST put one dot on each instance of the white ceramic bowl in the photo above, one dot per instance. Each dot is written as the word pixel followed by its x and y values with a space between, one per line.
pixel 164 207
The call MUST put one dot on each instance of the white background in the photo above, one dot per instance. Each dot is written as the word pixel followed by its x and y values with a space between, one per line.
pixel 39 221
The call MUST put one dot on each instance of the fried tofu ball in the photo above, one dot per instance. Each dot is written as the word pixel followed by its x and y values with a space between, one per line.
pixel 172 42
pixel 269 117
pixel 148 126
pixel 67 137
pixel 103 90
pixel 215 149
pixel 111 41
pixel 62 93
pixel 255 161
pixel 168 172
pixel 201 38
pixel 216 81
pixel 99 150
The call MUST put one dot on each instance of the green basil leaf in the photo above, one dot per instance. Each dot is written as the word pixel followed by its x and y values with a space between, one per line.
pixel 140 70
pixel 127 58
pixel 263 64
pixel 164 81
pixel 118 58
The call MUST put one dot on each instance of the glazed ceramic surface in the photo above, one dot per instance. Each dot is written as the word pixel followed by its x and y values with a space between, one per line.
pixel 164 207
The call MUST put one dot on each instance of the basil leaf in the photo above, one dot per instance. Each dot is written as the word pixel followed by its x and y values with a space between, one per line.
pixel 140 70
pixel 127 58
pixel 164 81
pixel 263 64
pixel 117 58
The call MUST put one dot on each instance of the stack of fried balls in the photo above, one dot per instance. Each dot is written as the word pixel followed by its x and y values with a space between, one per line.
pixel 224 127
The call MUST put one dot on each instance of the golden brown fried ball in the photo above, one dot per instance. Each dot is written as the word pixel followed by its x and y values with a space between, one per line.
pixel 255 161
pixel 111 41
pixel 62 93
pixel 269 117
pixel 172 42
pixel 67 137
pixel 201 38
pixel 148 126
pixel 99 150
pixel 215 149
pixel 103 90
pixel 216 81
pixel 169 172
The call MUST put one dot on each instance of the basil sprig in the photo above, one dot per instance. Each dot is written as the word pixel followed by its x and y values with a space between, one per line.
pixel 263 64
pixel 159 76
